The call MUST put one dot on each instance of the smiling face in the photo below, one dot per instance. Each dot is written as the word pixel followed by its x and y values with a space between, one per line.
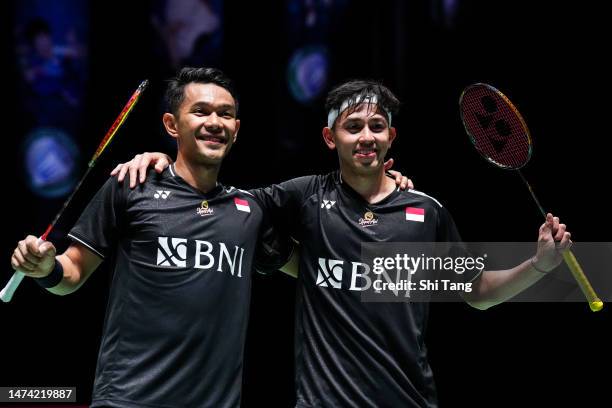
pixel 205 123
pixel 362 136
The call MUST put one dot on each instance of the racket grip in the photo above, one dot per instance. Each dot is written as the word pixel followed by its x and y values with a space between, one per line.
pixel 594 302
pixel 7 293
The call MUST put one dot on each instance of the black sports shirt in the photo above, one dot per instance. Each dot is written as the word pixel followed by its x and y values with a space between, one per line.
pixel 351 353
pixel 178 309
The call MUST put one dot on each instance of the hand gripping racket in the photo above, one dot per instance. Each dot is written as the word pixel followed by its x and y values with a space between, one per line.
pixel 500 134
pixel 7 293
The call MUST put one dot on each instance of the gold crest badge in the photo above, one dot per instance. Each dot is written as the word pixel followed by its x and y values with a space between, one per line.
pixel 204 209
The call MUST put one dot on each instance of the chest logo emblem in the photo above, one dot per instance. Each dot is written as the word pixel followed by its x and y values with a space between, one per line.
pixel 368 219
pixel 205 209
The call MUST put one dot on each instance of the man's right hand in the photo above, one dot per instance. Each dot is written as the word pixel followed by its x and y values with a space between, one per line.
pixel 137 167
pixel 35 259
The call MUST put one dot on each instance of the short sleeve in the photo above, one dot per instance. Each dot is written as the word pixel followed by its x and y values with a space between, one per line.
pixel 98 226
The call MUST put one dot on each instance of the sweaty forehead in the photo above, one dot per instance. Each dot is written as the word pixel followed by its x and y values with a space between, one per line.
pixel 210 94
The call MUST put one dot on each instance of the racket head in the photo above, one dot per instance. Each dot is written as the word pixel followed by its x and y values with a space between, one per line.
pixel 495 126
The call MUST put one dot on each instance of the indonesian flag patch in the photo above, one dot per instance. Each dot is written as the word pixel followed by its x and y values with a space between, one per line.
pixel 242 205
pixel 415 214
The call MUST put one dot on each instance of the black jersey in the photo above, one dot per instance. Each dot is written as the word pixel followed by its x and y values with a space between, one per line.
pixel 351 353
pixel 178 308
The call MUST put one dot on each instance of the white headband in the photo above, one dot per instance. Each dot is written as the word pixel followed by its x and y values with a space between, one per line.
pixel 334 113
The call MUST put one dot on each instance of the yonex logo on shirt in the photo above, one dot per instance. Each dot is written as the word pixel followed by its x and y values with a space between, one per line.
pixel 172 252
pixel 327 204
pixel 161 193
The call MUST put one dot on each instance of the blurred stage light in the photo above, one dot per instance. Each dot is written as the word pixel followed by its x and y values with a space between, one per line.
pixel 444 12
pixel 50 162
pixel 307 73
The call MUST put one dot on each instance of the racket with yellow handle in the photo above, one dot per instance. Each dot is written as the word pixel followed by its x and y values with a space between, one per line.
pixel 500 134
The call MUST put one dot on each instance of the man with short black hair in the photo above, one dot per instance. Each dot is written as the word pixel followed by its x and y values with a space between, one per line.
pixel 184 247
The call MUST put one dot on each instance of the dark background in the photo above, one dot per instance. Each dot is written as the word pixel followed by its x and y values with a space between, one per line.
pixel 548 57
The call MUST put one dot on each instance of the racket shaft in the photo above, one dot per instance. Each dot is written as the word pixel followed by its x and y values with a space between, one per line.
pixel 535 199
pixel 594 302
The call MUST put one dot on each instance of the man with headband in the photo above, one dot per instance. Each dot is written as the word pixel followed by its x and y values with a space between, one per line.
pixel 350 352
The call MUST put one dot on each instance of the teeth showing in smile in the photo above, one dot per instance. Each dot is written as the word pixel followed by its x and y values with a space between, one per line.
pixel 365 151
pixel 211 139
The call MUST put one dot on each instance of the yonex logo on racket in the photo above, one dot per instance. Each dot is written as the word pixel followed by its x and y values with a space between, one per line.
pixel 499 138
pixel 495 126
